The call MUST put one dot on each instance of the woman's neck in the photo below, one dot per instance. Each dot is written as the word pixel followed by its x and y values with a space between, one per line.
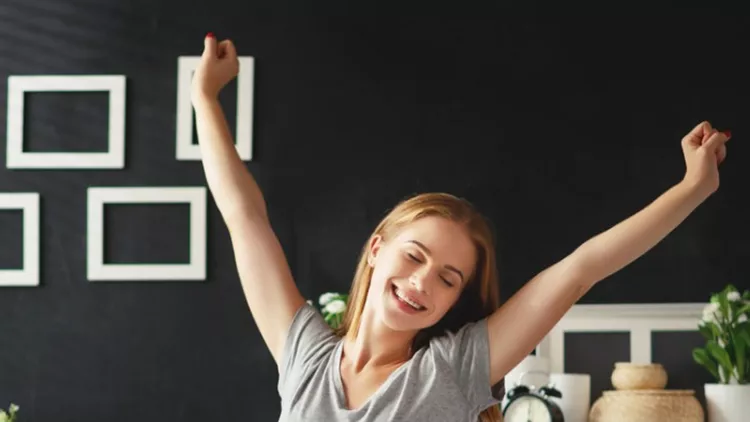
pixel 377 346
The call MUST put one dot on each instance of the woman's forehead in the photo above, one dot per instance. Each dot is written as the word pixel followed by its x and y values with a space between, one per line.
pixel 446 240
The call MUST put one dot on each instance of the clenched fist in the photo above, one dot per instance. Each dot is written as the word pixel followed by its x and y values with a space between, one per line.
pixel 704 149
pixel 218 66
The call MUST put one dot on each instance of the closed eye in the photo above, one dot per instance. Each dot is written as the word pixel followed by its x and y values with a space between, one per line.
pixel 413 257
pixel 416 259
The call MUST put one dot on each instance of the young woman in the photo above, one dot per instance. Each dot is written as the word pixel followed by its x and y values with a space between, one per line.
pixel 423 337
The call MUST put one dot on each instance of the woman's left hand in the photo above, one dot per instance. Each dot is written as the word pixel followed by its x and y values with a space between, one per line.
pixel 704 149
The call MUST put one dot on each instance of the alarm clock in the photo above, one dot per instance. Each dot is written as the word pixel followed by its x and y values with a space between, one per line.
pixel 528 405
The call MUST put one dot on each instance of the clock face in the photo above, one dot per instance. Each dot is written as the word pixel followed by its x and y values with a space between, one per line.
pixel 527 409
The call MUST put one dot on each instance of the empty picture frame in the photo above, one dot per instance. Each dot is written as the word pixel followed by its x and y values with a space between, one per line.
pixel 28 203
pixel 185 149
pixel 98 197
pixel 113 158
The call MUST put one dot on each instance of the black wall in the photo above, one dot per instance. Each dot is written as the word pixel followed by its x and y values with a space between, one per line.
pixel 557 124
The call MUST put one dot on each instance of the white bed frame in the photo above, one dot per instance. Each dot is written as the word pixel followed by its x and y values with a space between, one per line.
pixel 639 320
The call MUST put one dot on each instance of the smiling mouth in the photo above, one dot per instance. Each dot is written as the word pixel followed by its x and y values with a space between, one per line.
pixel 400 296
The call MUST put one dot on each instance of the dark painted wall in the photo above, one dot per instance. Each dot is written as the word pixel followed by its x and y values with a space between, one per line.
pixel 556 125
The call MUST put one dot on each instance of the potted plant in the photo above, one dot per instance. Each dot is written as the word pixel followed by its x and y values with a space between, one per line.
pixel 10 415
pixel 726 355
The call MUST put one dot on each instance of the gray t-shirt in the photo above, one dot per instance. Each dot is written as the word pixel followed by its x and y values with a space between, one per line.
pixel 446 381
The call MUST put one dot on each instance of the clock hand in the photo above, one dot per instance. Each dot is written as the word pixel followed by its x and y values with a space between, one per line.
pixel 528 412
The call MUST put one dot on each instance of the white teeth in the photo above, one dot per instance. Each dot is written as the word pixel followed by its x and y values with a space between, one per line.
pixel 407 300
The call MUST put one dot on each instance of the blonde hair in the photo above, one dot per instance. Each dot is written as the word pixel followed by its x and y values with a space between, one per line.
pixel 479 298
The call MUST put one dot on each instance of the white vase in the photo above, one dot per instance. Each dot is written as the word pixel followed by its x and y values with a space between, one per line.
pixel 727 402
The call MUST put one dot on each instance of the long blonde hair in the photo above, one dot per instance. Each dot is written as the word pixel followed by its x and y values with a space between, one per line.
pixel 480 296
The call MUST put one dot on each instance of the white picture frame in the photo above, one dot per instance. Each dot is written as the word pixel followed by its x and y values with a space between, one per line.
pixel 29 204
pixel 99 197
pixel 185 149
pixel 113 158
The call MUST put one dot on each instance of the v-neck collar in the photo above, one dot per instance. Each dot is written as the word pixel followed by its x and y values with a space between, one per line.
pixel 339 383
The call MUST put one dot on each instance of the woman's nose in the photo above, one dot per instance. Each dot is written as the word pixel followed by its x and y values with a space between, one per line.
pixel 418 279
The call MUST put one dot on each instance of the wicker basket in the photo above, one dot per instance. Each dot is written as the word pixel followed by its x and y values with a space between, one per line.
pixel 647 406
pixel 634 376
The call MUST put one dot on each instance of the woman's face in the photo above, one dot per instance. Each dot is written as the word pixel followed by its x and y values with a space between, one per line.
pixel 419 274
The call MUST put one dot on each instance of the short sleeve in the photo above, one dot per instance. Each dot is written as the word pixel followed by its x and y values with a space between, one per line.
pixel 308 341
pixel 467 353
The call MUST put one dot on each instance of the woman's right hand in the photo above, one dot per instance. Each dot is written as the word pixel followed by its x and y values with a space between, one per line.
pixel 218 66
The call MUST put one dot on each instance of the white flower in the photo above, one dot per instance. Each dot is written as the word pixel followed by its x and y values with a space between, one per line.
pixel 742 318
pixel 13 408
pixel 325 298
pixel 733 296
pixel 721 342
pixel 3 416
pixel 709 313
pixel 335 307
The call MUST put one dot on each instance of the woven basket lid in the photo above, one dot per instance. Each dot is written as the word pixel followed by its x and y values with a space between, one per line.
pixel 649 393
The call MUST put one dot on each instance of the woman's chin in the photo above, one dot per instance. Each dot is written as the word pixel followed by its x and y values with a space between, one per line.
pixel 393 321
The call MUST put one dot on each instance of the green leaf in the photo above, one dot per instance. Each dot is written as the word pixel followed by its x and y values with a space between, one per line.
pixel 706 330
pixel 744 335
pixel 709 330
pixel 715 330
pixel 702 358
pixel 720 355
pixel 724 309
pixel 339 320
pixel 743 310
pixel 740 357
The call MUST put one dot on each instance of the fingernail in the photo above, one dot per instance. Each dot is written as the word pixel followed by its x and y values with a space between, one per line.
pixel 210 35
pixel 728 133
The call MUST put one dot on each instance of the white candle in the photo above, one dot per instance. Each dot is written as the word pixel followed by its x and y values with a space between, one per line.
pixel 576 395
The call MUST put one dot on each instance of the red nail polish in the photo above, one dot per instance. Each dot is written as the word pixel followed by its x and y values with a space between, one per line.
pixel 728 133
pixel 210 35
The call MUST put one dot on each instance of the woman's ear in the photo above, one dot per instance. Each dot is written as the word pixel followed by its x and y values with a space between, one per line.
pixel 375 244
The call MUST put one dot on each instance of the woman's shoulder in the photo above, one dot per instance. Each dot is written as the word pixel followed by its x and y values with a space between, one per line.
pixel 308 325
pixel 471 335
pixel 309 336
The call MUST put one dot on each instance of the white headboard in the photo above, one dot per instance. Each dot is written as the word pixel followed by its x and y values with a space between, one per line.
pixel 639 320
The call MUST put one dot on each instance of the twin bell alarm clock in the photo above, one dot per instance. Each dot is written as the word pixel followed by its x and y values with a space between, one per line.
pixel 527 404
